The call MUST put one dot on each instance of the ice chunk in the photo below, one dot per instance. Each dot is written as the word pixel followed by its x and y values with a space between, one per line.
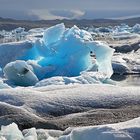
pixel 11 132
pixel 96 133
pixel 103 54
pixel 20 73
pixel 31 134
pixel 53 34
pixel 42 134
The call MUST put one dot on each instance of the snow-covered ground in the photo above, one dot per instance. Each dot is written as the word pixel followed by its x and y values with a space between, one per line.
pixel 66 98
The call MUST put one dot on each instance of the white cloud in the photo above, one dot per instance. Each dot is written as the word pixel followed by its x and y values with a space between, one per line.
pixel 58 14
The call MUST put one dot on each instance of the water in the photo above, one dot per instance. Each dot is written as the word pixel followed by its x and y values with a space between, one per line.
pixel 127 80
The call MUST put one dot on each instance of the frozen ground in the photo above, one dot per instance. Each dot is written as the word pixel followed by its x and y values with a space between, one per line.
pixel 59 102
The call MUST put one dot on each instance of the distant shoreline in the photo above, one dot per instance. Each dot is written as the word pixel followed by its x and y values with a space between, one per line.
pixel 10 24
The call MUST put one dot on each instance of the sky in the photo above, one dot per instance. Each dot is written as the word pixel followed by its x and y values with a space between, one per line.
pixel 69 9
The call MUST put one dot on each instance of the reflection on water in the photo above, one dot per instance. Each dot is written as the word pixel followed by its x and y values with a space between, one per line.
pixel 127 80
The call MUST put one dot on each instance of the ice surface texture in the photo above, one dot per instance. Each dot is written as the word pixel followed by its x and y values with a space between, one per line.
pixel 61 52
pixel 129 130
pixel 32 104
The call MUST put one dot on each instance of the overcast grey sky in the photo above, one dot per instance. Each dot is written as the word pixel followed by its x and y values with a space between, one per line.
pixel 52 9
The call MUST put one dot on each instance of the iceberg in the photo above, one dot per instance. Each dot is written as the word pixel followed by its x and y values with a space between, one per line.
pixel 61 52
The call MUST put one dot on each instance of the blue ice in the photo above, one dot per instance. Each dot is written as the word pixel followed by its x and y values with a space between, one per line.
pixel 66 52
